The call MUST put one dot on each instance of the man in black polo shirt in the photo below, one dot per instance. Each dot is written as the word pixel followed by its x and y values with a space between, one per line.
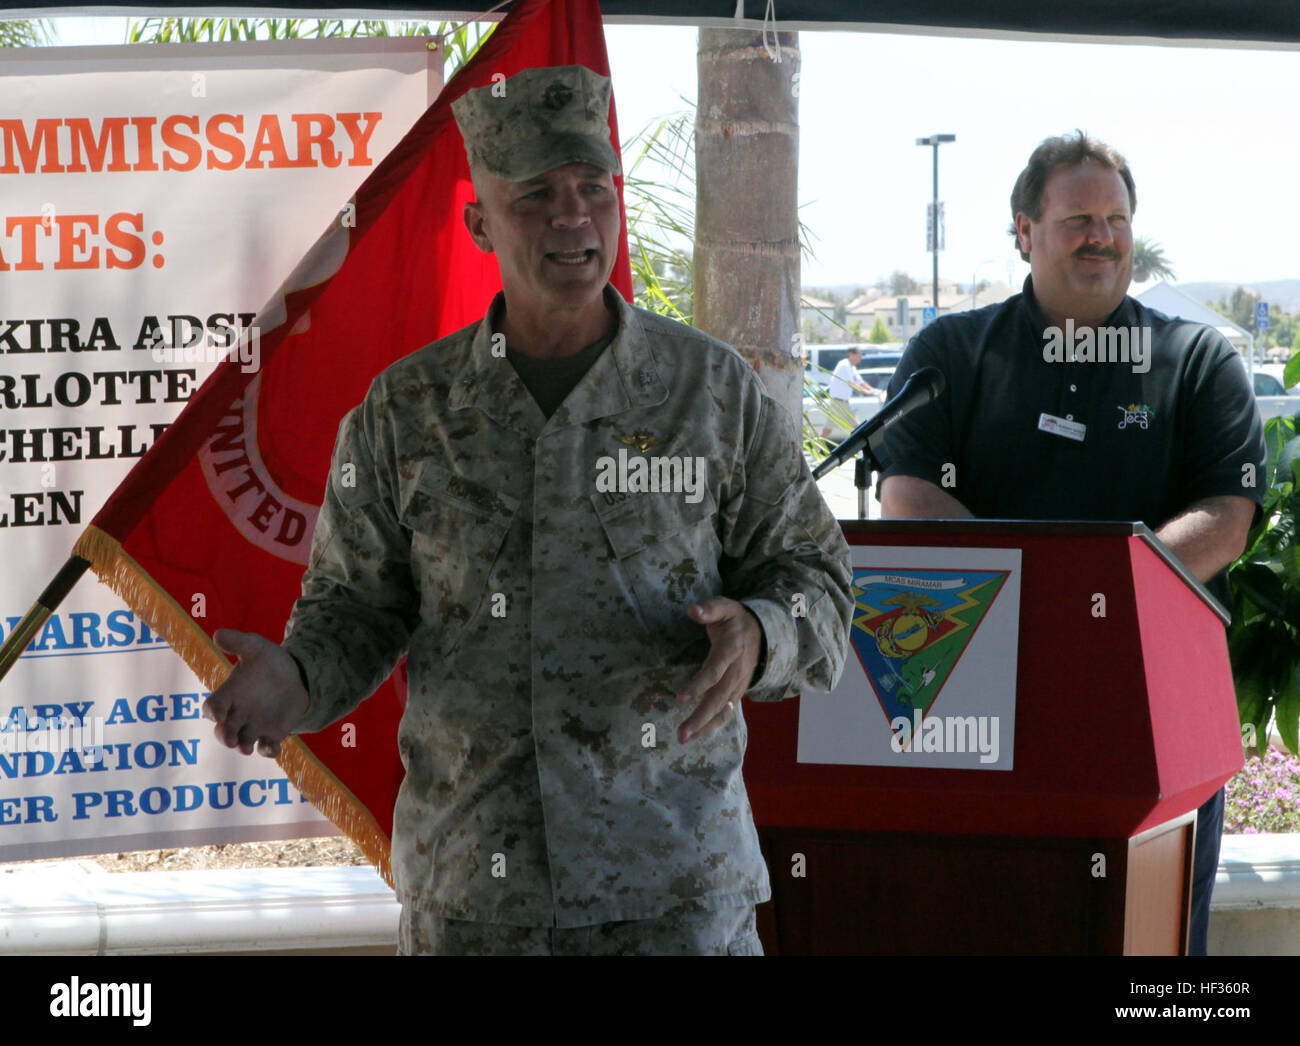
pixel 1071 400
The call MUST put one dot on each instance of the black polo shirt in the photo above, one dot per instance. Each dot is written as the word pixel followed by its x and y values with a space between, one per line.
pixel 1154 442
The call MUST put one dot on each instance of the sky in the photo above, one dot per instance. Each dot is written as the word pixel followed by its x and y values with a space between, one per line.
pixel 1204 131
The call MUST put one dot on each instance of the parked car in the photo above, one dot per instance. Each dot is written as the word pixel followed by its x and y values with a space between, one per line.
pixel 1267 385
pixel 876 377
pixel 1274 371
pixel 1274 400
pixel 863 407
pixel 823 359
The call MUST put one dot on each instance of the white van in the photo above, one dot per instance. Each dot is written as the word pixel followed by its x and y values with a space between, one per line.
pixel 876 359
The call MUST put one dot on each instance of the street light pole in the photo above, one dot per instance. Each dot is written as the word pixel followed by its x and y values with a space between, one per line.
pixel 935 140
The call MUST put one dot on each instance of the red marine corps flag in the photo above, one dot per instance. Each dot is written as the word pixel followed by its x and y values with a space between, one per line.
pixel 225 502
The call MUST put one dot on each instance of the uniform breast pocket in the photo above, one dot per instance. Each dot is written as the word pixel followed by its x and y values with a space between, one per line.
pixel 666 550
pixel 458 532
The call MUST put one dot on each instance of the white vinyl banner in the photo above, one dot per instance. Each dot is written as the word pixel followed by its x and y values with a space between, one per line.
pixel 930 679
pixel 152 198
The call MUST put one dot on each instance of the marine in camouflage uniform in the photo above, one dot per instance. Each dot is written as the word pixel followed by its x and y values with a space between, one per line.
pixel 544 620
pixel 546 624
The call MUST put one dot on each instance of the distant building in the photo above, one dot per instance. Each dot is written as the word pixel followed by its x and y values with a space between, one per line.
pixel 818 320
pixel 891 308
pixel 991 295
pixel 902 314
pixel 873 294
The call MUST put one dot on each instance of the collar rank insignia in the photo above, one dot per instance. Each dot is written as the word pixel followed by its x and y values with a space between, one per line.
pixel 642 441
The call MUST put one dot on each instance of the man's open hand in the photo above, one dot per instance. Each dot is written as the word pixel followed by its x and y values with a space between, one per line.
pixel 261 700
pixel 735 639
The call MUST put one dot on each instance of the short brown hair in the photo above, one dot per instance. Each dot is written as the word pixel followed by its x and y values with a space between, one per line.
pixel 1065 151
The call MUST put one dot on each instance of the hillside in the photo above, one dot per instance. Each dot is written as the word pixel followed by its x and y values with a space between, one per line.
pixel 1285 294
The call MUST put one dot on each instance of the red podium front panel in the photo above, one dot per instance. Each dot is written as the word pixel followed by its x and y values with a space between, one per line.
pixel 1124 715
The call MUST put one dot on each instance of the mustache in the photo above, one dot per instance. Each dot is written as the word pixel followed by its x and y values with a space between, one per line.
pixel 1097 252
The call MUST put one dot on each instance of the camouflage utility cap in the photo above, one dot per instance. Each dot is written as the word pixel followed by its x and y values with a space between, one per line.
pixel 537 120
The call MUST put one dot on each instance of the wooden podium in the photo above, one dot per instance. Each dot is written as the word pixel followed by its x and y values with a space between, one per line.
pixel 1124 724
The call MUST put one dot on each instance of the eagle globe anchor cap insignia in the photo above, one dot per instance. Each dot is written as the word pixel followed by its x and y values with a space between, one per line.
pixel 537 120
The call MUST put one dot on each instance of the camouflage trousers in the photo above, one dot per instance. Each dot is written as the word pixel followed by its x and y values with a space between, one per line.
pixel 730 931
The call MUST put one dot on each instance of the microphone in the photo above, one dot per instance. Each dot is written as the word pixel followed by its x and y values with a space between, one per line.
pixel 924 386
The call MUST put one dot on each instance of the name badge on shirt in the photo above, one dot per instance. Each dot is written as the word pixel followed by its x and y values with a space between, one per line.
pixel 1060 427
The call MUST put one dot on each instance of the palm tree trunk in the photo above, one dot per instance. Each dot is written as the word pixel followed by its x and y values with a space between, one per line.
pixel 747 228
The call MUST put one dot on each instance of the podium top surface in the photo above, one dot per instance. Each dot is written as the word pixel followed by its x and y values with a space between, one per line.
pixel 1039 528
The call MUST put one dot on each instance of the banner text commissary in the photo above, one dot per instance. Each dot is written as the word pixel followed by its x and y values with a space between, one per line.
pixel 185 142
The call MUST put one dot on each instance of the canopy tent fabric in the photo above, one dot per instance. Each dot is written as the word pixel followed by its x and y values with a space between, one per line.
pixel 1185 21
pixel 1165 297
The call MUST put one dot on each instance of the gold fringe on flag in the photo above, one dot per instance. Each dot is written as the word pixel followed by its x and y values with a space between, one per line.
pixel 164 615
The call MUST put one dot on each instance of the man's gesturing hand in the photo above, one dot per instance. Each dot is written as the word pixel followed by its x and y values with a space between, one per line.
pixel 735 638
pixel 261 700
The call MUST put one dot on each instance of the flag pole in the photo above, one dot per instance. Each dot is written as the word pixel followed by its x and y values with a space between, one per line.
pixel 69 574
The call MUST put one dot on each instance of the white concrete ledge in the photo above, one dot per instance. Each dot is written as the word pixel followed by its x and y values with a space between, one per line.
pixel 1256 907
pixel 78 908
pixel 1258 871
